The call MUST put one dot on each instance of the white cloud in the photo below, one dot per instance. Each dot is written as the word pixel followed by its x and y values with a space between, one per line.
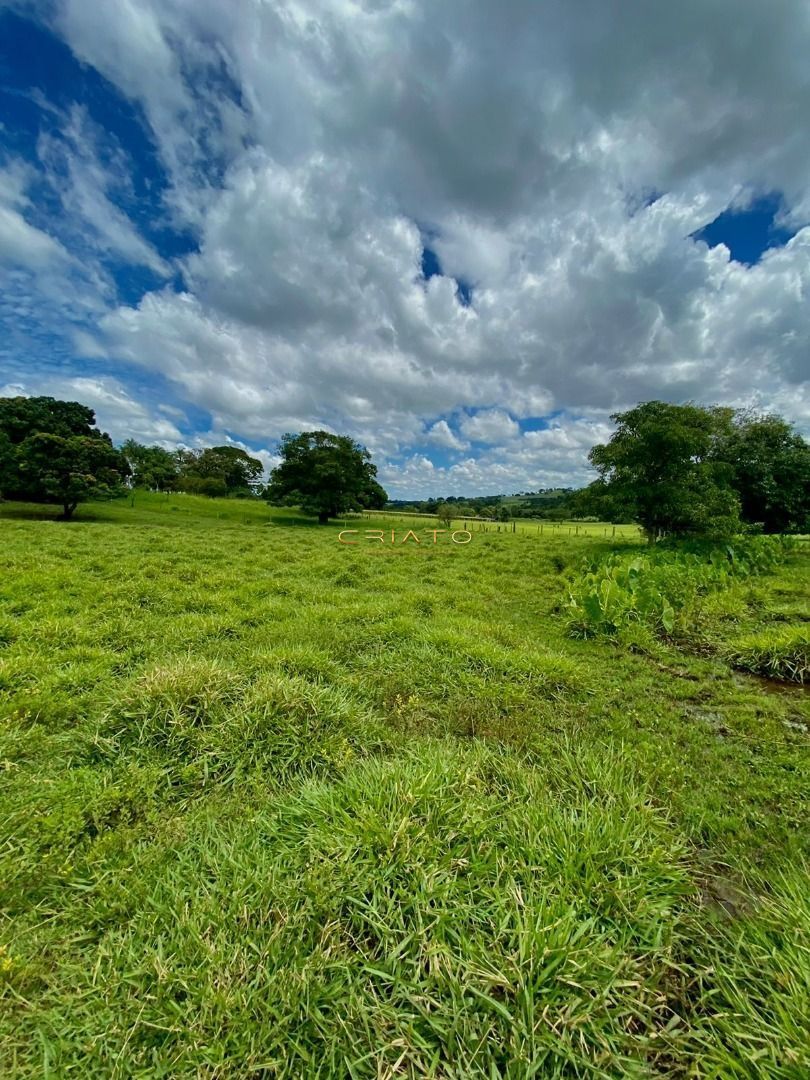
pixel 117 412
pixel 440 434
pixel 490 426
pixel 551 457
pixel 84 184
pixel 88 346
pixel 313 149
pixel 22 244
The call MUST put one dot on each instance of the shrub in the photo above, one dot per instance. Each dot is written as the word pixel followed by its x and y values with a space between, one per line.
pixel 653 589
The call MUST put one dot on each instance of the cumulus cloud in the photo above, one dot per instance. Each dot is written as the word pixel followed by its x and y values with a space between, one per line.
pixel 490 426
pixel 554 456
pixel 440 435
pixel 556 158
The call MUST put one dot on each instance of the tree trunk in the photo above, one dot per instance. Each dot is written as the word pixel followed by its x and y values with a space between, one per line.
pixel 67 510
pixel 323 517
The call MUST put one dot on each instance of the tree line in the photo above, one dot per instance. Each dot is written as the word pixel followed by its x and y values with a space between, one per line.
pixel 216 471
pixel 676 470
pixel 551 505
pixel 52 452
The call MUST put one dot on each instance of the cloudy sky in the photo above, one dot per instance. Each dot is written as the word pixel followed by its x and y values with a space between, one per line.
pixel 462 231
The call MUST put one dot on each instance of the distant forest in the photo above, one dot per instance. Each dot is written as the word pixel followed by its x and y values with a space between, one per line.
pixel 550 504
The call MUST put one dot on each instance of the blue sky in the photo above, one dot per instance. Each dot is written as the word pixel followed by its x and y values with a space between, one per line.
pixel 749 230
pixel 458 232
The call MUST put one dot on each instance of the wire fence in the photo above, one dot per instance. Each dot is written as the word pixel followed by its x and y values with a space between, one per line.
pixel 589 529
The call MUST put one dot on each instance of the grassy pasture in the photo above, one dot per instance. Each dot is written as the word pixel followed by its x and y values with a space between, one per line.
pixel 274 806
pixel 538 527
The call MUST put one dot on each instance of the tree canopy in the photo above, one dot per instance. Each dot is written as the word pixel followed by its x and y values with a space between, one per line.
pixel 215 470
pixel 218 470
pixel 51 451
pixel 770 471
pixel 325 474
pixel 152 467
pixel 445 512
pixel 23 416
pixel 690 470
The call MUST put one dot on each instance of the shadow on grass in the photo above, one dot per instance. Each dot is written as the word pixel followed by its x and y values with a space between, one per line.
pixel 306 522
pixel 43 512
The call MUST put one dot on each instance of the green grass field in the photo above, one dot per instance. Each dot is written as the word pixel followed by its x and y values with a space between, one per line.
pixel 275 806
pixel 594 529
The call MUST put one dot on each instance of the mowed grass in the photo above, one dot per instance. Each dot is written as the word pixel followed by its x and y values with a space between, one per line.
pixel 277 806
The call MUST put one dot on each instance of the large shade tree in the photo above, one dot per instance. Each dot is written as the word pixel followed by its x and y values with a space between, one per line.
pixel 325 474
pixel 51 451
pixel 72 470
pixel 694 470
pixel 23 416
pixel 662 467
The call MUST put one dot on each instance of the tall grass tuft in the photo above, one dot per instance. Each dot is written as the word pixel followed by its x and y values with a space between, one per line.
pixel 781 652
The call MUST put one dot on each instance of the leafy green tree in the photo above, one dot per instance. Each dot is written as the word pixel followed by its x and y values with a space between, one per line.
pixel 73 469
pixel 325 474
pixel 151 466
pixel 6 462
pixel 212 486
pixel 218 470
pixel 662 465
pixel 770 471
pixel 51 451
pixel 185 460
pixel 464 509
pixel 445 512
pixel 23 416
pixel 237 468
pixel 599 500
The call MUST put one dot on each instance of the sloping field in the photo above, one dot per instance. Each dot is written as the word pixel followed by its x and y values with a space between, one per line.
pixel 277 806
